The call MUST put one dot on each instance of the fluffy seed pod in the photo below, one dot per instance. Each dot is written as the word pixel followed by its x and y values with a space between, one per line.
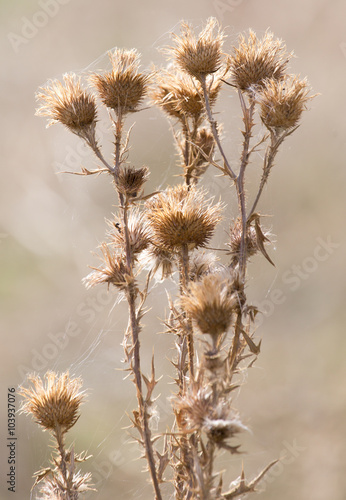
pixel 124 88
pixel 114 271
pixel 211 304
pixel 130 180
pixel 204 141
pixel 199 56
pixel 220 429
pixel 201 264
pixel 159 261
pixel 198 411
pixel 180 97
pixel 55 404
pixel 255 61
pixel 68 104
pixel 180 216
pixel 282 102
pixel 137 232
pixel 254 242
pixel 196 406
pixel 235 240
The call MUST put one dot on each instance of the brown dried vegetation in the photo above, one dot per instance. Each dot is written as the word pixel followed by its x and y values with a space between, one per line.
pixel 167 234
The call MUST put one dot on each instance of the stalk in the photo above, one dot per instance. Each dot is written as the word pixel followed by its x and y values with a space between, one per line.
pixel 134 323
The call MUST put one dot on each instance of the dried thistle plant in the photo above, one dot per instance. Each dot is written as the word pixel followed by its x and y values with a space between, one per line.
pixel 168 232
pixel 55 406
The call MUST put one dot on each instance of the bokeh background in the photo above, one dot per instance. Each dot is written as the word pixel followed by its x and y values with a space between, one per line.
pixel 294 398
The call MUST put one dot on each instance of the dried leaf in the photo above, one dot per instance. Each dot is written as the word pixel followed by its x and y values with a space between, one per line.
pixel 261 238
pixel 41 474
pixel 242 487
pixel 255 349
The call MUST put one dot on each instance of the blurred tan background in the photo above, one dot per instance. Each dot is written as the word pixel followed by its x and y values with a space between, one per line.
pixel 294 399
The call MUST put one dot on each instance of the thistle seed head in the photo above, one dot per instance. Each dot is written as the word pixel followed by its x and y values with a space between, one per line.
pixel 201 264
pixel 211 304
pixel 114 271
pixel 219 430
pixel 159 261
pixel 198 410
pixel 54 404
pixel 196 406
pixel 199 56
pixel 51 486
pixel 235 240
pixel 181 216
pixel 180 97
pixel 255 61
pixel 68 104
pixel 130 181
pixel 283 102
pixel 123 88
pixel 137 232
pixel 205 142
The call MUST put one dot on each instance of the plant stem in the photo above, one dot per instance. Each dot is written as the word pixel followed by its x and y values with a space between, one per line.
pixel 70 495
pixel 235 343
pixel 134 322
pixel 239 180
pixel 248 122
pixel 271 152
pixel 184 281
pixel 213 125
pixel 92 143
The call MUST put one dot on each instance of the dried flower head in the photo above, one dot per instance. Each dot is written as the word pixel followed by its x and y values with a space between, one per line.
pixel 282 102
pixel 55 404
pixel 198 411
pixel 123 88
pixel 219 430
pixel 130 180
pixel 255 61
pixel 181 216
pixel 197 405
pixel 235 240
pixel 210 303
pixel 114 270
pixel 180 97
pixel 205 144
pixel 137 232
pixel 68 104
pixel 201 264
pixel 52 487
pixel 202 55
pixel 159 261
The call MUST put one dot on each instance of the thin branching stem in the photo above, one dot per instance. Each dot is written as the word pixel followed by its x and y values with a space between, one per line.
pixel 235 343
pixel 134 320
pixel 213 126
pixel 184 281
pixel 268 162
pixel 245 156
pixel 239 180
pixel 186 150
pixel 100 156
pixel 62 465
